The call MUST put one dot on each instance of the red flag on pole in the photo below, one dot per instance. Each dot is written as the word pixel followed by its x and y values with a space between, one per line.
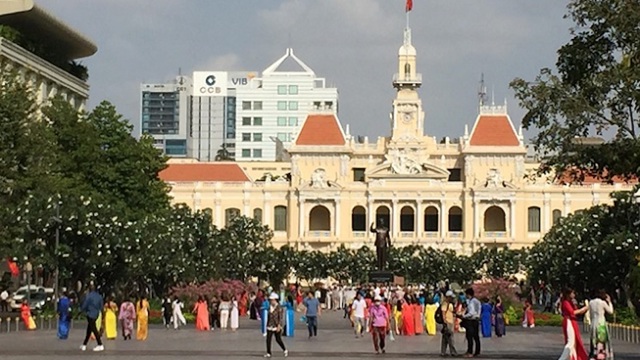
pixel 409 5
pixel 13 267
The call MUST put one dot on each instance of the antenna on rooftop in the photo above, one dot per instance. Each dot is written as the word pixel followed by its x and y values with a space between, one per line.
pixel 482 92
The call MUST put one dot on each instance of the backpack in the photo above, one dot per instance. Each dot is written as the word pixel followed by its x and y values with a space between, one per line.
pixel 438 315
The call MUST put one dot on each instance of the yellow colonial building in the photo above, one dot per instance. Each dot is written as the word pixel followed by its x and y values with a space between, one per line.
pixel 479 190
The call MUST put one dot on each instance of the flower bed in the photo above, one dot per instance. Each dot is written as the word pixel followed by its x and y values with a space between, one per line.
pixel 189 293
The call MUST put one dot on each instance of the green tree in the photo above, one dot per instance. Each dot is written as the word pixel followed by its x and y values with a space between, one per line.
pixel 593 92
pixel 240 248
pixel 223 154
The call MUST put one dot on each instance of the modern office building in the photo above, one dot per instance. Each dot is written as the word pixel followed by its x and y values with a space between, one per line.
pixel 165 114
pixel 43 50
pixel 481 190
pixel 272 109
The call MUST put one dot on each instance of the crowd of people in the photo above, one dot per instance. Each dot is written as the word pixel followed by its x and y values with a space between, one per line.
pixel 384 312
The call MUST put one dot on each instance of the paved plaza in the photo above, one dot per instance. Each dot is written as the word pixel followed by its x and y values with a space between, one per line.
pixel 335 340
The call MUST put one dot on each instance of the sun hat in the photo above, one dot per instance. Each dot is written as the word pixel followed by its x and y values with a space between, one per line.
pixel 377 298
pixel 449 294
pixel 273 296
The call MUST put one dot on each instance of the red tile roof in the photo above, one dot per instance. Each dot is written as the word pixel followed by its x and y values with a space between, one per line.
pixel 586 178
pixel 224 171
pixel 320 130
pixel 494 130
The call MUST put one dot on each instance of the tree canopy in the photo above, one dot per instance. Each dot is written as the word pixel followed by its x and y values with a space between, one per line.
pixel 594 91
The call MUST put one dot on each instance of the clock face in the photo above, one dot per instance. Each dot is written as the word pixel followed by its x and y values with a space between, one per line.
pixel 407 116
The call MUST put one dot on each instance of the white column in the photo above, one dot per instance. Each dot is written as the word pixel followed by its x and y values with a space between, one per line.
pixel 219 221
pixel 268 219
pixel 371 217
pixel 337 221
pixel 567 204
pixel 420 219
pixel 443 217
pixel 476 219
pixel 301 217
pixel 513 219
pixel 245 210
pixel 395 218
pixel 546 213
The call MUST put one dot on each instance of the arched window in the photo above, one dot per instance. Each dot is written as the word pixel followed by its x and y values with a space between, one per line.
pixel 455 219
pixel 257 214
pixel 533 215
pixel 319 219
pixel 383 216
pixel 358 219
pixel 556 215
pixel 229 215
pixel 407 219
pixel 494 219
pixel 280 218
pixel 431 219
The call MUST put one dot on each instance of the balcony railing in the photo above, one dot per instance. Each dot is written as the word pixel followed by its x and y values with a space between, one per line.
pixel 406 79
pixel 454 234
pixel 407 234
pixel 319 234
pixel 359 234
pixel 431 234
pixel 494 234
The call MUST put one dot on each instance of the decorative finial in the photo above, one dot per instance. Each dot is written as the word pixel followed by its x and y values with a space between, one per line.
pixel 493 96
pixel 466 130
pixel 482 92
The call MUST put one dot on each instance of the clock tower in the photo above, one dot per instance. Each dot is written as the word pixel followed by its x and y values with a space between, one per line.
pixel 407 118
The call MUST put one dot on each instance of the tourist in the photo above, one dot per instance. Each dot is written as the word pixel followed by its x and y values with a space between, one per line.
pixel 225 311
pixel 397 315
pixel 486 315
pixel 110 319
pixel 498 316
pixel 359 305
pixel 600 343
pixel 178 317
pixel 214 313
pixel 127 316
pixel 312 306
pixel 573 349
pixel 408 323
pixel 167 312
pixel 234 315
pixel 274 324
pixel 418 316
pixel 471 323
pixel 25 314
pixel 4 301
pixel 430 316
pixel 201 310
pixel 92 307
pixel 264 314
pixel 253 309
pixel 64 318
pixel 242 303
pixel 379 320
pixel 528 316
pixel 142 314
pixel 448 322
pixel 459 307
pixel 290 317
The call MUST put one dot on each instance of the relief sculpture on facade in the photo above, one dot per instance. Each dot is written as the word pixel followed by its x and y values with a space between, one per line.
pixel 402 163
pixel 319 179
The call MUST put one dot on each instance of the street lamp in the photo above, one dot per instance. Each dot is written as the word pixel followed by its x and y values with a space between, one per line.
pixel 57 270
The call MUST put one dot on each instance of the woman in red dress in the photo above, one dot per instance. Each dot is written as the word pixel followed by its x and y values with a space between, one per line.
pixel 408 325
pixel 418 319
pixel 242 304
pixel 573 348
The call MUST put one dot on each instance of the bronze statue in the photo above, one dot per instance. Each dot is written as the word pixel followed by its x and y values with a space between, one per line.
pixel 383 243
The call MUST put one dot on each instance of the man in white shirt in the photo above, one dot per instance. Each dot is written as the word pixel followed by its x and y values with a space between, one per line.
pixel 4 298
pixel 471 320
pixel 358 306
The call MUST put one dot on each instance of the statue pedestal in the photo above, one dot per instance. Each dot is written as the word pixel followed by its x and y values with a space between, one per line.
pixel 381 276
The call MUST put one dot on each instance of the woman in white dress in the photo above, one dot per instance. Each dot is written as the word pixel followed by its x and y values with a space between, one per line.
pixel 600 341
pixel 178 318
pixel 234 314
pixel 225 309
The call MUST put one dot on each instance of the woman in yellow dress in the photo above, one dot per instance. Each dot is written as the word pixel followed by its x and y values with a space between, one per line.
pixel 397 316
pixel 142 312
pixel 110 319
pixel 430 317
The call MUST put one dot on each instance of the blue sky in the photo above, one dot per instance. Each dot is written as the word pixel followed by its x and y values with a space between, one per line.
pixel 352 43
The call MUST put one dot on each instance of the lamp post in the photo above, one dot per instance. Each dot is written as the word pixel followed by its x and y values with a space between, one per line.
pixel 28 268
pixel 56 275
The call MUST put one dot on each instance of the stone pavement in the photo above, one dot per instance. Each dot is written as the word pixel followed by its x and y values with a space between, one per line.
pixel 335 340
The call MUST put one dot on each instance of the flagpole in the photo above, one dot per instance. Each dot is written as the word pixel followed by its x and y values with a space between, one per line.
pixel 407 12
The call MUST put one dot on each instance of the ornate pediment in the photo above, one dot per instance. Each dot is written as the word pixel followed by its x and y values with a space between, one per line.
pixel 402 164
pixel 319 182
